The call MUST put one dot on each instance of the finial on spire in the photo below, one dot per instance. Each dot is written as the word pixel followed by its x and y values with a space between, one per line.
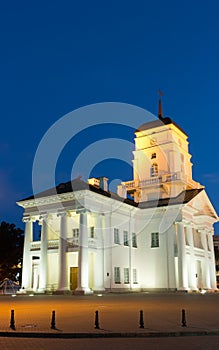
pixel 160 109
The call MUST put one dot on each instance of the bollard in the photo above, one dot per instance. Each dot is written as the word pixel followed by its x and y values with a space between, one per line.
pixel 12 321
pixel 141 321
pixel 97 325
pixel 184 318
pixel 53 321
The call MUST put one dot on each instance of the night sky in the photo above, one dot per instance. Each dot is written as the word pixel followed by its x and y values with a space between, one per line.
pixel 57 56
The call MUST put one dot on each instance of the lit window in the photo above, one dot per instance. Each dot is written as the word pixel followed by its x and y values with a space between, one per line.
pixel 92 232
pixel 126 275
pixel 135 278
pixel 134 240
pixel 75 232
pixel 117 274
pixel 153 155
pixel 125 238
pixel 154 239
pixel 154 170
pixel 116 236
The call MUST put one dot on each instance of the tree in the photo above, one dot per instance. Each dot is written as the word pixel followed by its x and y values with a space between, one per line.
pixel 11 251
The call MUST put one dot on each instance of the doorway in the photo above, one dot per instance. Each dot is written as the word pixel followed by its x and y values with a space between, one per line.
pixel 73 278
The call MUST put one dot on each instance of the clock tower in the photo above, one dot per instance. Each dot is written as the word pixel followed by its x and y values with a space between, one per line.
pixel 162 164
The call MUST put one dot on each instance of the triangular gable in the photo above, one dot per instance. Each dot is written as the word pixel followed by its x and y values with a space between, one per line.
pixel 203 206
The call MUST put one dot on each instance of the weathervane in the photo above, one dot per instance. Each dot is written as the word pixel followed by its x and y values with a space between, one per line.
pixel 160 109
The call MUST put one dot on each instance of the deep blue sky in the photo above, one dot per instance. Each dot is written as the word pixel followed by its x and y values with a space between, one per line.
pixel 60 55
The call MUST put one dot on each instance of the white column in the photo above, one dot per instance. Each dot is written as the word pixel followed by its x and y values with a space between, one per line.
pixel 83 255
pixel 170 257
pixel 182 263
pixel 35 277
pixel 212 263
pixel 43 255
pixel 108 242
pixel 98 262
pixel 132 229
pixel 206 267
pixel 192 263
pixel 63 277
pixel 27 261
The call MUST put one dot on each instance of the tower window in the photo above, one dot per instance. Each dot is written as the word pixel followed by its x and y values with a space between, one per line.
pixel 92 232
pixel 117 274
pixel 155 239
pixel 135 279
pixel 75 232
pixel 154 170
pixel 134 240
pixel 125 237
pixel 126 275
pixel 116 236
pixel 153 155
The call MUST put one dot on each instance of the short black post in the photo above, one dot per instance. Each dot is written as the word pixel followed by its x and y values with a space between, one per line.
pixel 53 321
pixel 12 321
pixel 97 325
pixel 141 320
pixel 184 318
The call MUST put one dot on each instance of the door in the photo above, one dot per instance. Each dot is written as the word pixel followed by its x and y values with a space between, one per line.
pixel 73 278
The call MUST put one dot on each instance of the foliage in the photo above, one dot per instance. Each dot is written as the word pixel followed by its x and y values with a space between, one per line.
pixel 11 251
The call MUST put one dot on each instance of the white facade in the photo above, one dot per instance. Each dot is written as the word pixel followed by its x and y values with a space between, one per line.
pixel 94 240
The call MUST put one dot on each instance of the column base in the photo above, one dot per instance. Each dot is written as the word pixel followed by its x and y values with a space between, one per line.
pixel 182 289
pixel 25 291
pixel 98 289
pixel 83 291
pixel 62 291
pixel 40 291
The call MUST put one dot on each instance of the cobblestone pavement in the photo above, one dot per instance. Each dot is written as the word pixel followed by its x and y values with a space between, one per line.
pixel 118 313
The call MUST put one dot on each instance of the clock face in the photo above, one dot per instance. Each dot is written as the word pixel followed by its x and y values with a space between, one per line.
pixel 153 141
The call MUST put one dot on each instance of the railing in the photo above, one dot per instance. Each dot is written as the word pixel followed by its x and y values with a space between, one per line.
pixel 73 242
pixel 54 244
pixel 130 185
pixel 51 244
pixel 35 245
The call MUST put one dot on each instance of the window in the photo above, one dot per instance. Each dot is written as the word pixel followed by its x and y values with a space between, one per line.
pixel 154 239
pixel 154 170
pixel 197 239
pixel 134 240
pixel 117 274
pixel 75 232
pixel 153 155
pixel 92 232
pixel 135 278
pixel 116 236
pixel 126 275
pixel 125 238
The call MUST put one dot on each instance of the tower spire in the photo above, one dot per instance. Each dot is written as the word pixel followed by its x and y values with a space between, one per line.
pixel 160 109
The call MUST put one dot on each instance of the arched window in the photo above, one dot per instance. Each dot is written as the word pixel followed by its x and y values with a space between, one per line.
pixel 154 170
pixel 153 155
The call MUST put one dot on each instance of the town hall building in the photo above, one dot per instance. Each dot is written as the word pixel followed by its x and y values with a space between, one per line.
pixel 155 233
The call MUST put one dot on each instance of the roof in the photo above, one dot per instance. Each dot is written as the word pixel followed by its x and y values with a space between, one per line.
pixel 79 185
pixel 159 122
pixel 183 198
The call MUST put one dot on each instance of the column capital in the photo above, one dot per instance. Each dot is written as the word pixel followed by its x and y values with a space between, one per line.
pixel 61 214
pixel 29 219
pixel 43 216
pixel 82 211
